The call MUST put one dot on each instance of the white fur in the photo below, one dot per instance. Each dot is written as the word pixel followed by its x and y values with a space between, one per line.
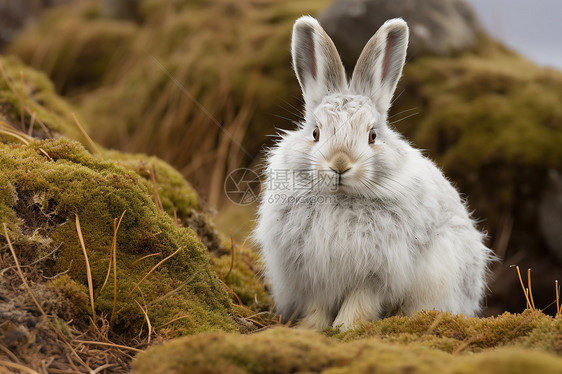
pixel 394 237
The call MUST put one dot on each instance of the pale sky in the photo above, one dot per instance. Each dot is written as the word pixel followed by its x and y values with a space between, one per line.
pixel 531 27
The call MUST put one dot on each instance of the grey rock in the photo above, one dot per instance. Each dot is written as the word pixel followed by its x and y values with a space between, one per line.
pixel 437 27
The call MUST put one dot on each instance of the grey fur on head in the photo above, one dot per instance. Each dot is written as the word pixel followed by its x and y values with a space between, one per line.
pixel 354 222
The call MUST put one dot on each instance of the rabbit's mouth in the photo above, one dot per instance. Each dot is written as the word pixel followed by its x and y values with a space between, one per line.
pixel 339 176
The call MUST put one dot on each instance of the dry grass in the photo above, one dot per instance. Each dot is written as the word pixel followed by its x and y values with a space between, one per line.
pixel 233 255
pixel 88 269
pixel 144 257
pixel 528 292
pixel 90 141
pixel 7 129
pixel 37 304
pixel 145 313
pixel 20 273
pixel 151 271
pixel 112 352
pixel 106 344
pixel 155 190
pixel 19 367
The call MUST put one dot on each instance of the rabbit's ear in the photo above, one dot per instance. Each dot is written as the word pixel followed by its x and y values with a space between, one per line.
pixel 316 62
pixel 380 65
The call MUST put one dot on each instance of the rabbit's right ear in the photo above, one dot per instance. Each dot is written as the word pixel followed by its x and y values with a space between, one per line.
pixel 316 62
pixel 380 65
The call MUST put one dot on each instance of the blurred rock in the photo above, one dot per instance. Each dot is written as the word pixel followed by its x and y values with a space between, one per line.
pixel 550 214
pixel 14 14
pixel 437 27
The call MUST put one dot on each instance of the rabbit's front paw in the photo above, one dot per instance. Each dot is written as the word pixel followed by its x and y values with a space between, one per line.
pixel 360 306
pixel 316 318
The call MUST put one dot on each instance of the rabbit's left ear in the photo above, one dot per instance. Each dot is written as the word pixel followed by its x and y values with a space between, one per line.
pixel 316 62
pixel 380 65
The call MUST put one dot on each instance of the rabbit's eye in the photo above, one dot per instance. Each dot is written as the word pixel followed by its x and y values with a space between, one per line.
pixel 372 136
pixel 316 134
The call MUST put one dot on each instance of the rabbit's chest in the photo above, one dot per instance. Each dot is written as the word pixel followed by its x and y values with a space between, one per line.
pixel 351 238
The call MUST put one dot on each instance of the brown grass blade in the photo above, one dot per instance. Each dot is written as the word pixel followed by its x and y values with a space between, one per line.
pixel 151 270
pixel 173 320
pixel 145 312
pixel 31 124
pixel 558 306
pixel 7 129
pixel 143 257
pixel 114 251
pixel 232 254
pixel 530 288
pixel 88 270
pixel 5 76
pixel 523 287
pixel 110 259
pixel 155 190
pixel 232 292
pixel 41 124
pixel 94 146
pixel 108 345
pixel 20 96
pixel 22 139
pixel 9 353
pixel 103 367
pixel 13 365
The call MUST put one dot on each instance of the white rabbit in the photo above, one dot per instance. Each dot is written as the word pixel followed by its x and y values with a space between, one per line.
pixel 354 223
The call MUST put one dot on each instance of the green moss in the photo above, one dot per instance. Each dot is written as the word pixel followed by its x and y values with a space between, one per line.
pixel 282 350
pixel 175 194
pixel 39 98
pixel 76 293
pixel 242 276
pixel 448 332
pixel 44 183
pixel 73 181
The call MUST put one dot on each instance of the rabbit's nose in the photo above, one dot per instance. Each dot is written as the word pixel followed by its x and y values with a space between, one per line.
pixel 340 163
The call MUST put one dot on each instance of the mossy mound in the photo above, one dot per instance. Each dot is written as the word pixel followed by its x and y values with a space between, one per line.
pixel 282 350
pixel 167 258
pixel 46 183
pixel 453 333
pixel 47 192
